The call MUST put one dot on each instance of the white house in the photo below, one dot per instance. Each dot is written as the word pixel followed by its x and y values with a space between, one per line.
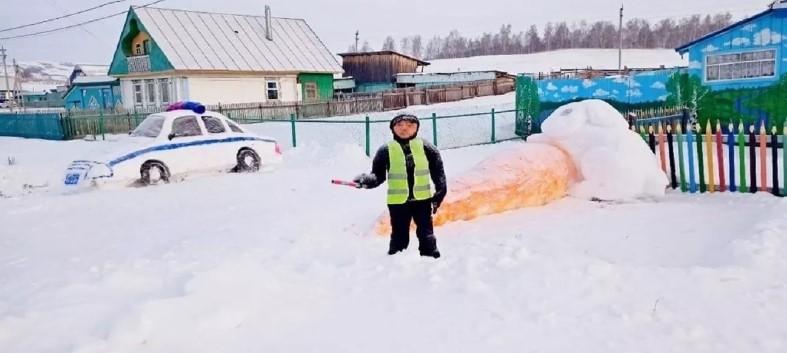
pixel 166 55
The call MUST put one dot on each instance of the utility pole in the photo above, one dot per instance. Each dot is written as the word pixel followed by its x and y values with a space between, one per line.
pixel 5 73
pixel 18 86
pixel 620 42
pixel 356 41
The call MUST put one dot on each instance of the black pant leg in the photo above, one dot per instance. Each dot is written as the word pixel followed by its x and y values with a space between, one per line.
pixel 422 214
pixel 401 216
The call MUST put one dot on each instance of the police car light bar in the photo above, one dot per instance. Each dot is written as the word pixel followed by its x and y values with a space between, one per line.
pixel 193 106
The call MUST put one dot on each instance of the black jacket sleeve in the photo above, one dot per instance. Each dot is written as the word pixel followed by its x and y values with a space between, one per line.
pixel 379 168
pixel 436 171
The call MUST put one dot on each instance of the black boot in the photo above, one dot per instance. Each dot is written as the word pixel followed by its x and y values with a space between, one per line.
pixel 427 246
pixel 435 253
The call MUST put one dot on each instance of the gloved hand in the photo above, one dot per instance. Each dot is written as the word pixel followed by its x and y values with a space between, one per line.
pixel 364 180
pixel 435 206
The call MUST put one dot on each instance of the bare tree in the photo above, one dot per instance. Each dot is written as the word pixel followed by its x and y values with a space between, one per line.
pixel 389 44
pixel 405 46
pixel 366 47
pixel 533 43
pixel 637 33
pixel 417 47
pixel 433 48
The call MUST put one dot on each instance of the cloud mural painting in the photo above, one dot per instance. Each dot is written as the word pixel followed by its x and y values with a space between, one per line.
pixel 710 48
pixel 569 89
pixel 767 37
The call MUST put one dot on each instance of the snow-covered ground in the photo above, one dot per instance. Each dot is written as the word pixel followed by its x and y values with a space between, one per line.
pixel 284 261
pixel 561 59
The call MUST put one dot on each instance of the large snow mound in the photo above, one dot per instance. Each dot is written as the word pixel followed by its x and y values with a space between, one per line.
pixel 613 162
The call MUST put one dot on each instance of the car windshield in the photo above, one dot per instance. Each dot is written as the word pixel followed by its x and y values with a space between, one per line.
pixel 150 127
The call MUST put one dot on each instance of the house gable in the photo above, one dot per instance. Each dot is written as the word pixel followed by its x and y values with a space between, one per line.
pixel 132 38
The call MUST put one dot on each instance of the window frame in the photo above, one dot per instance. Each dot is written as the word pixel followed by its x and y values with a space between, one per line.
pixel 196 121
pixel 307 87
pixel 723 68
pixel 164 85
pixel 235 127
pixel 138 95
pixel 220 122
pixel 150 95
pixel 276 89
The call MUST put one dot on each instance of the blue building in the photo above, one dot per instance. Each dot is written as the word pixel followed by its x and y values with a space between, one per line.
pixel 739 72
pixel 93 92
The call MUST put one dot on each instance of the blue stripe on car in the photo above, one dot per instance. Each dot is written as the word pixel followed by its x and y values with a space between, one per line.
pixel 174 146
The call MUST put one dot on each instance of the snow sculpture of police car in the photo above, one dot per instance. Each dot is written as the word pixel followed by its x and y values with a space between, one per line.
pixel 182 140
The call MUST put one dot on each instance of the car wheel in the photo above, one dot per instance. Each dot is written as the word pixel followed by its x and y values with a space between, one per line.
pixel 153 172
pixel 248 161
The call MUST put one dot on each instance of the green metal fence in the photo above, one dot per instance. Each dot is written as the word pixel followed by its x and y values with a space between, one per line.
pixel 47 126
pixel 458 130
pixel 445 131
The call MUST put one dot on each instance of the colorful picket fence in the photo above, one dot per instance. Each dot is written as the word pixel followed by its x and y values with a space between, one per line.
pixel 714 160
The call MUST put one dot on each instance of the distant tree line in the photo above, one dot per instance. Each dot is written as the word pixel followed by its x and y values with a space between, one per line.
pixel 637 33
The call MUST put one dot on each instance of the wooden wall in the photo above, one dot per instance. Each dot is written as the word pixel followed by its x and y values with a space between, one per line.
pixel 377 68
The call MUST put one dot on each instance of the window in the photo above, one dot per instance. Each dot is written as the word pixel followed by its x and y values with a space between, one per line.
pixel 150 85
pixel 234 127
pixel 146 46
pixel 138 49
pixel 150 127
pixel 213 125
pixel 164 90
pixel 137 92
pixel 748 65
pixel 310 90
pixel 273 90
pixel 186 126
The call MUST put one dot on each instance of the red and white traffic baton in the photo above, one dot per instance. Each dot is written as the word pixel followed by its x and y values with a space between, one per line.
pixel 346 183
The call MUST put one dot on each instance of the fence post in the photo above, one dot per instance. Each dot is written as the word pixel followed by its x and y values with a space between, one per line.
pixel 684 119
pixel 368 137
pixel 101 124
pixel 434 129
pixel 220 112
pixel 493 126
pixel 292 123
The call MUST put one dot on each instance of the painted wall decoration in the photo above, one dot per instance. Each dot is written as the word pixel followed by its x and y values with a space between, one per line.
pixel 736 75
pixel 740 73
pixel 647 87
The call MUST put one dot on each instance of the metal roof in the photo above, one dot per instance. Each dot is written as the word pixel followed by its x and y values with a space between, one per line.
pixel 94 79
pixel 92 70
pixel 385 52
pixel 194 40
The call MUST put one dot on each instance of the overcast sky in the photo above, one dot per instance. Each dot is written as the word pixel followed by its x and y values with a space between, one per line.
pixel 335 21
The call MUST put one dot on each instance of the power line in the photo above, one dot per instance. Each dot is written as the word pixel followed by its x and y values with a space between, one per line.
pixel 77 24
pixel 61 17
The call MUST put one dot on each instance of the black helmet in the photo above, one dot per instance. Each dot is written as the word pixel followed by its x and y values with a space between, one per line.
pixel 405 117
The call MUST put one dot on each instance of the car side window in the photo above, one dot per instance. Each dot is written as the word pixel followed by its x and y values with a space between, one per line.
pixel 234 128
pixel 213 125
pixel 186 126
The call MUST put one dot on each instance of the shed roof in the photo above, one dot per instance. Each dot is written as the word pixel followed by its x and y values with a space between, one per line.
pixel 384 52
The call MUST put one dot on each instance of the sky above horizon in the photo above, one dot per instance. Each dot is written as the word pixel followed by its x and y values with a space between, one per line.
pixel 335 21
